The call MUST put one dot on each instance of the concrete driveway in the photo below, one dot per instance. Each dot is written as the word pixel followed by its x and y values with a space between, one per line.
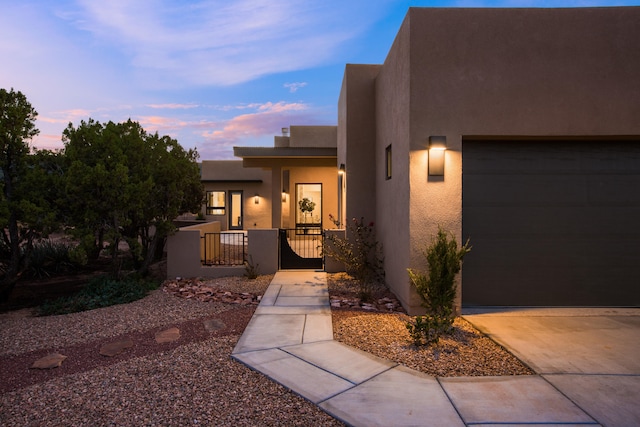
pixel 591 355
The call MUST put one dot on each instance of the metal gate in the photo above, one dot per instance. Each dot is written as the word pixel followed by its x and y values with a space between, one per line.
pixel 228 248
pixel 301 248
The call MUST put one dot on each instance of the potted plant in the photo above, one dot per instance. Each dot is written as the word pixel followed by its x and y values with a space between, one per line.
pixel 306 207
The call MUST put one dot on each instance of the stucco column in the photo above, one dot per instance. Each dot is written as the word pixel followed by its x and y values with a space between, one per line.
pixel 276 197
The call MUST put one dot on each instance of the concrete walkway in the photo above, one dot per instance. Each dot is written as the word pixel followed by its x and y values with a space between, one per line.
pixel 290 340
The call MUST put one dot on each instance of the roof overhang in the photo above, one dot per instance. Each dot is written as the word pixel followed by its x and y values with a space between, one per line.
pixel 231 181
pixel 285 152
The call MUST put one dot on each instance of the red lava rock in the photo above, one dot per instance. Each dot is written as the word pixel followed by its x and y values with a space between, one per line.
pixel 192 288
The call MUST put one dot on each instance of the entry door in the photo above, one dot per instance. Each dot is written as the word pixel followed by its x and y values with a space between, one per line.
pixel 235 210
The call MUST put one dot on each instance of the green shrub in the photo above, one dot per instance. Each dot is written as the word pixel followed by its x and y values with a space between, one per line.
pixel 100 292
pixel 437 289
pixel 361 254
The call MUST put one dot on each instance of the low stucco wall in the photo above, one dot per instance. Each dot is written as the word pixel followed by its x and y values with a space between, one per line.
pixel 184 253
pixel 330 264
pixel 263 250
pixel 185 250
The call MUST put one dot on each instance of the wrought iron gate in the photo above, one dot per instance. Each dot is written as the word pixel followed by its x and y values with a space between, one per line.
pixel 301 248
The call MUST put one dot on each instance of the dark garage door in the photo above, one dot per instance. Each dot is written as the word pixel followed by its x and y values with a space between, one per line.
pixel 552 223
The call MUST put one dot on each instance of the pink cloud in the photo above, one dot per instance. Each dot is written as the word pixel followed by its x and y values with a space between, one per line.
pixel 173 106
pixel 254 128
pixel 47 142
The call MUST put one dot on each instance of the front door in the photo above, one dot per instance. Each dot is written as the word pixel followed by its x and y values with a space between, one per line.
pixel 235 210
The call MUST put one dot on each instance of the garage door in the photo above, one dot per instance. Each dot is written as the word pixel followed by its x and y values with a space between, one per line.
pixel 552 223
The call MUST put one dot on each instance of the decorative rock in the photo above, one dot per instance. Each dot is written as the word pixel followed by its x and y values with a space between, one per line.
pixel 49 362
pixel 168 335
pixel 212 325
pixel 115 348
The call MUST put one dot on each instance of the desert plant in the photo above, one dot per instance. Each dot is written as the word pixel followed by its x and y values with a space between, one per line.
pixel 437 289
pixel 251 269
pixel 49 258
pixel 361 254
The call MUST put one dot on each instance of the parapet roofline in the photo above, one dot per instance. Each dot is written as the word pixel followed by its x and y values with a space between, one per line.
pixel 286 152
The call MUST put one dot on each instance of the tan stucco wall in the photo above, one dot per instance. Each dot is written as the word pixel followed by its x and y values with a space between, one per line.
pixel 231 175
pixel 484 72
pixel 393 201
pixel 506 72
pixel 356 124
pixel 263 250
pixel 313 136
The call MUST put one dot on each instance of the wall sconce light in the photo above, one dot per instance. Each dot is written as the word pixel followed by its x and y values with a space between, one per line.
pixel 284 196
pixel 437 147
pixel 341 169
pixel 256 199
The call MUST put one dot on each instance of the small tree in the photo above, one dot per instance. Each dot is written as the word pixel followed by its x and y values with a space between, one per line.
pixel 125 184
pixel 438 288
pixel 360 253
pixel 24 213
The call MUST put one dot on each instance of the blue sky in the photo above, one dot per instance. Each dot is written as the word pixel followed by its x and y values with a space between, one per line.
pixel 211 73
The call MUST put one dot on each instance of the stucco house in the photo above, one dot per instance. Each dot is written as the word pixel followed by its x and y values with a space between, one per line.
pixel 516 128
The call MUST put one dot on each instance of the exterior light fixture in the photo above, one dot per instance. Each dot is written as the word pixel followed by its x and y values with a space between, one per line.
pixel 256 199
pixel 437 147
pixel 341 169
pixel 284 196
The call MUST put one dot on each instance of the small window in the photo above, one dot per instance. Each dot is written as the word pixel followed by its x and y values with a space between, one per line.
pixel 388 162
pixel 216 202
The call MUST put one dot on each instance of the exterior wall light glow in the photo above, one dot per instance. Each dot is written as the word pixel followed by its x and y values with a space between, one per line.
pixel 256 199
pixel 284 196
pixel 437 147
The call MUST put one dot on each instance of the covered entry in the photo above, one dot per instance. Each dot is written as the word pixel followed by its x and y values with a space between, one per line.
pixel 552 223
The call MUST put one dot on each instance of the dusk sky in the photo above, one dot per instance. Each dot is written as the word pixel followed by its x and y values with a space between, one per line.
pixel 211 73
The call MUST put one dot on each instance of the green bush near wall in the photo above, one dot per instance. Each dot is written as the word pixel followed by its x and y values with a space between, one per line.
pixel 437 288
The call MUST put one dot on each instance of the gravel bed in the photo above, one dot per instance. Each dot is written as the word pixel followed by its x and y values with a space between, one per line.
pixel 194 381
pixel 195 384
pixel 465 352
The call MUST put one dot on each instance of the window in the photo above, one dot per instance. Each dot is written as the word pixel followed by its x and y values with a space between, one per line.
pixel 309 205
pixel 388 162
pixel 215 202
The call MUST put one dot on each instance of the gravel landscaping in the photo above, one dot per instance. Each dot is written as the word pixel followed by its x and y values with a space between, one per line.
pixel 192 380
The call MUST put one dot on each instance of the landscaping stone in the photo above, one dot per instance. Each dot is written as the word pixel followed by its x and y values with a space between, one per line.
pixel 194 288
pixel 115 348
pixel 212 325
pixel 50 361
pixel 168 335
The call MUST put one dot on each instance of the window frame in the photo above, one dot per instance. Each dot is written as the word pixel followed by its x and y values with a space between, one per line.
pixel 388 159
pixel 216 209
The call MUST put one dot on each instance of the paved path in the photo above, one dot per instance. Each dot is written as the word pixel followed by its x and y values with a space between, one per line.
pixel 290 340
